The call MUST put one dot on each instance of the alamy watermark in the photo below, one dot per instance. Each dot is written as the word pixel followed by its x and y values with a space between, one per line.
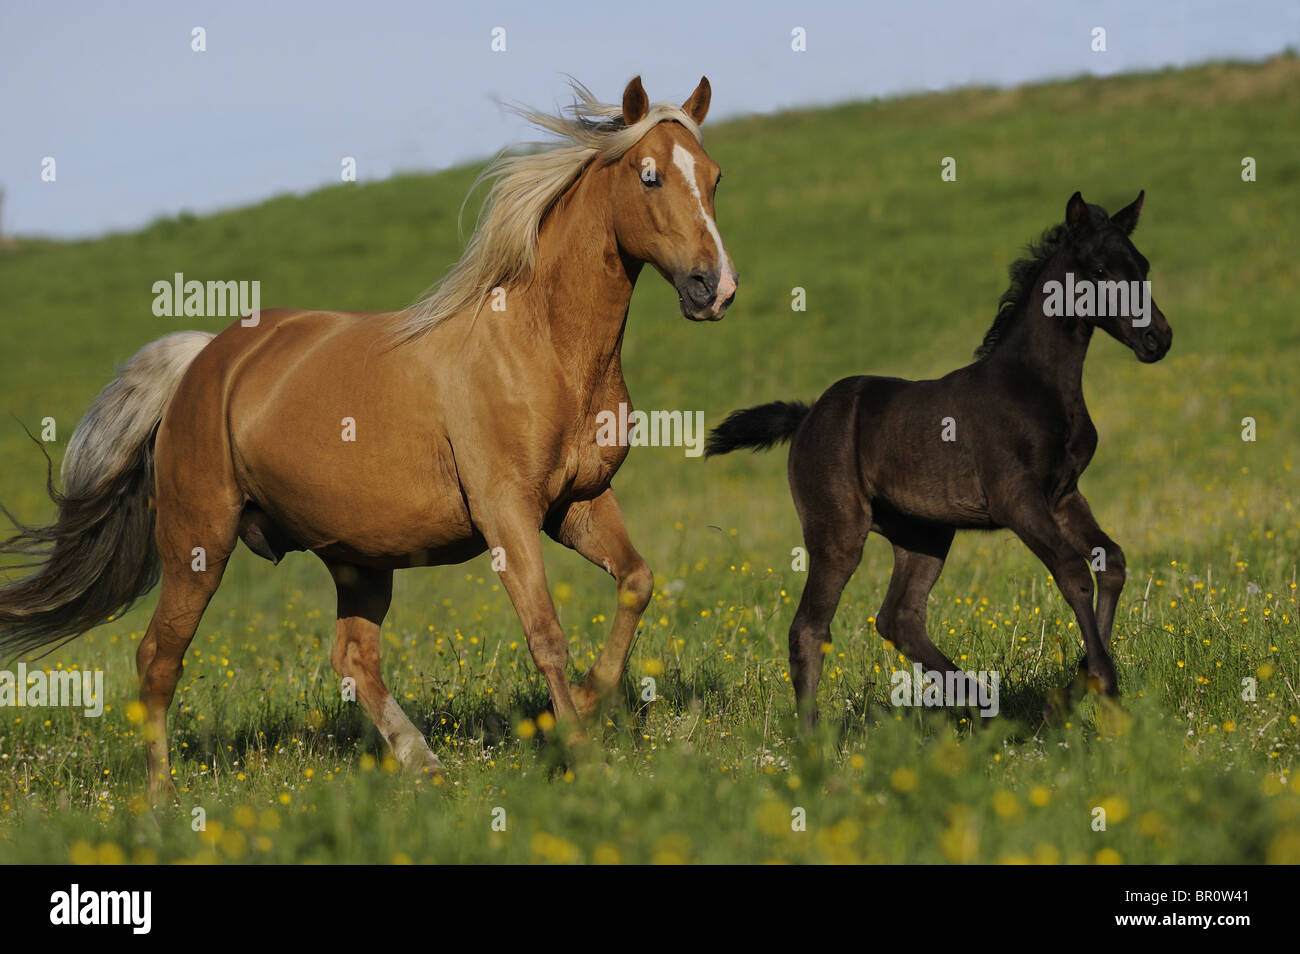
pixel 64 688
pixel 133 909
pixel 1098 299
pixel 934 689
pixel 212 299
pixel 629 428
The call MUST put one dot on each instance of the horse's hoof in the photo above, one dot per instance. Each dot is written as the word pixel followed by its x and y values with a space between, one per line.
pixel 586 701
pixel 163 796
pixel 162 790
pixel 432 766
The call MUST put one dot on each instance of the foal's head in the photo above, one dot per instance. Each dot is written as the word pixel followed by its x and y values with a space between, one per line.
pixel 1098 250
pixel 662 206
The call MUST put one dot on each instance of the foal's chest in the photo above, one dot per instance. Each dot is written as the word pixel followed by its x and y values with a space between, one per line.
pixel 1078 446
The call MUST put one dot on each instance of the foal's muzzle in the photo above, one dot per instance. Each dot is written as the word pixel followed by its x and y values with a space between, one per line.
pixel 1152 344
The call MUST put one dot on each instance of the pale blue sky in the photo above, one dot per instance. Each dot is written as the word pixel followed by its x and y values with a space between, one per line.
pixel 141 126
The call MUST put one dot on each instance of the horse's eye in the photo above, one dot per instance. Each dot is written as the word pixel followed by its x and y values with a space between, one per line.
pixel 1099 271
pixel 649 173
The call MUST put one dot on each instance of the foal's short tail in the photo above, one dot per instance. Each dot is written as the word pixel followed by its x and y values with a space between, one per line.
pixel 757 427
pixel 99 555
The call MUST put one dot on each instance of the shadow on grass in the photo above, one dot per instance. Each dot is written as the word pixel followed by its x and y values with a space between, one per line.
pixel 328 726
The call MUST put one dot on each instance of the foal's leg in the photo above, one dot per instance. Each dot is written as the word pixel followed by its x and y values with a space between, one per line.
pixel 1034 522
pixel 595 529
pixel 1074 517
pixel 517 533
pixel 918 561
pixel 364 595
pixel 188 582
pixel 834 539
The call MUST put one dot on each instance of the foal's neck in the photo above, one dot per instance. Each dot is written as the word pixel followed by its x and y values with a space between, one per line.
pixel 1050 347
pixel 582 284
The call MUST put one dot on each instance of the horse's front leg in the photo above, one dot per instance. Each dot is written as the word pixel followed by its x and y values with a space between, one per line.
pixel 1075 519
pixel 595 529
pixel 1035 523
pixel 513 534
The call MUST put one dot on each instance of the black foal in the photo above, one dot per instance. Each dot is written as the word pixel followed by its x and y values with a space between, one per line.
pixel 998 443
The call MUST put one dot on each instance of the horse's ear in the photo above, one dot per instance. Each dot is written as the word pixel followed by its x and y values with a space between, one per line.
pixel 1076 212
pixel 697 107
pixel 1127 218
pixel 635 102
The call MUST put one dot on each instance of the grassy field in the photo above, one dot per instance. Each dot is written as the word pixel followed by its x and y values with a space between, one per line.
pixel 902 272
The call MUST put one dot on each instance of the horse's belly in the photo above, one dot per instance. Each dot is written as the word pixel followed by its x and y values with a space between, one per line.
pixel 373 500
pixel 955 507
pixel 376 519
pixel 935 489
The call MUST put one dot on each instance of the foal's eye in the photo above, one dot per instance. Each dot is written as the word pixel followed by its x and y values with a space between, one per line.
pixel 1099 271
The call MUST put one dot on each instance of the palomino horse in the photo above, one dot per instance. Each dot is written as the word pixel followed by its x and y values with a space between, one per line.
pixel 384 440
pixel 998 443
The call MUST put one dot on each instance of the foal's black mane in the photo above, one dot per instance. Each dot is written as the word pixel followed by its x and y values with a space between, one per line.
pixel 1023 273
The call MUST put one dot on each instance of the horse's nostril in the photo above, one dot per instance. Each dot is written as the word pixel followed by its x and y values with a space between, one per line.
pixel 700 288
pixel 1151 340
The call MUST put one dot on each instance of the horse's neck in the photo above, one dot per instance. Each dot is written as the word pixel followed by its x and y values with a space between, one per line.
pixel 582 286
pixel 1052 347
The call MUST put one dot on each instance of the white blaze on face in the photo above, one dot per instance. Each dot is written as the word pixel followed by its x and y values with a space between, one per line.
pixel 684 161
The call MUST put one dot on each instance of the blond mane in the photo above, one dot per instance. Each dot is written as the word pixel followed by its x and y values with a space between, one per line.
pixel 503 249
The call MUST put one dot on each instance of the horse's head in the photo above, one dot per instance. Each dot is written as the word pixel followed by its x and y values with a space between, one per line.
pixel 663 206
pixel 1101 252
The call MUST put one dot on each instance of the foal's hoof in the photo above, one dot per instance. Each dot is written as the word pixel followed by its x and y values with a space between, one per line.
pixel 809 720
pixel 1102 680
pixel 1111 718
pixel 1102 684
pixel 1057 707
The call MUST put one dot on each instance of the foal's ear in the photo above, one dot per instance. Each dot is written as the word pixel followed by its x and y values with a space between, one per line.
pixel 1127 218
pixel 1076 212
pixel 697 107
pixel 635 102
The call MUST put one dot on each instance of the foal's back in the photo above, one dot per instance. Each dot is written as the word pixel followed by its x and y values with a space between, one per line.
pixel 930 450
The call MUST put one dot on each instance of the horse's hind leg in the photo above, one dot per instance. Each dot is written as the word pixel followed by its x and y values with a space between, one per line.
pixel 194 544
pixel 364 595
pixel 596 530
pixel 834 539
pixel 918 561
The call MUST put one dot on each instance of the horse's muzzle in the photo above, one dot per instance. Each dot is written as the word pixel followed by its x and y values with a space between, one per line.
pixel 705 296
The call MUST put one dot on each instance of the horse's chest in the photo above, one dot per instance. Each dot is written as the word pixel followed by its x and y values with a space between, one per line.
pixel 597 447
pixel 591 457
